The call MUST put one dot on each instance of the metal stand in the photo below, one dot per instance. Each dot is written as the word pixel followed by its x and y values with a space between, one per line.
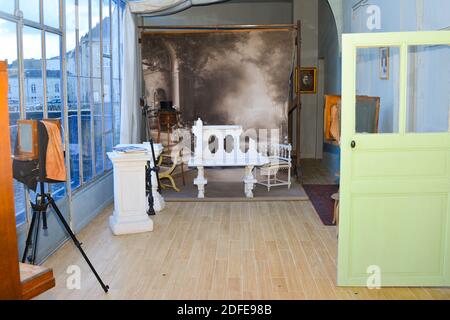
pixel 148 180
pixel 43 200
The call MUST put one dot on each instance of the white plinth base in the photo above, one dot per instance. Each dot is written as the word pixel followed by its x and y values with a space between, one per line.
pixel 130 200
pixel 144 224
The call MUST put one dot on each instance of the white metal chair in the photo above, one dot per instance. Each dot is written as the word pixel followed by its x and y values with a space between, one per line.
pixel 280 161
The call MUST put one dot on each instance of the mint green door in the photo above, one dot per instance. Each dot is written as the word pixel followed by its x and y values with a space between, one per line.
pixel 395 184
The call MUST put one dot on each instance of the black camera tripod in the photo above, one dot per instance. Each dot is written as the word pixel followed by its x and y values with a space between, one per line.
pixel 43 200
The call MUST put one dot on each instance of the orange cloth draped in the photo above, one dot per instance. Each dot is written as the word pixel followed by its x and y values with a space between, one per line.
pixel 55 165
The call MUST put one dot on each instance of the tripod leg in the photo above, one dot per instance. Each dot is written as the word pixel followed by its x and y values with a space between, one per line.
pixel 29 237
pixel 36 237
pixel 76 242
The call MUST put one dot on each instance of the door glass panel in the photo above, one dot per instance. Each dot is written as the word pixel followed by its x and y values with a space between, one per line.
pixel 428 107
pixel 377 90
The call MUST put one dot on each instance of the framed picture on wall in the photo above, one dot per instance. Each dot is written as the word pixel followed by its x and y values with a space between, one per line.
pixel 308 80
pixel 384 63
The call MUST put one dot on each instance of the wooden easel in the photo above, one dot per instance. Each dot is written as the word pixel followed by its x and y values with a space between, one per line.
pixel 18 281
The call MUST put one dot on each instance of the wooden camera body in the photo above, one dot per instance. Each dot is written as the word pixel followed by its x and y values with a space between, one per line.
pixel 27 146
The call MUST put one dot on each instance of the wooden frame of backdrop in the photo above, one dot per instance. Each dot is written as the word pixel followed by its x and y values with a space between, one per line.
pixel 293 105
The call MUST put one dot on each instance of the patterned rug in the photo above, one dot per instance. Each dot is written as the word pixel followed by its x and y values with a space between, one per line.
pixel 320 196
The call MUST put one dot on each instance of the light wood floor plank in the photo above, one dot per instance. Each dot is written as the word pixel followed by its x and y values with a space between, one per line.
pixel 248 250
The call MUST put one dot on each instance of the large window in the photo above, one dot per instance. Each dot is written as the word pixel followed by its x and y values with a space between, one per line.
pixel 72 92
pixel 9 52
pixel 91 58
pixel 83 93
pixel 33 82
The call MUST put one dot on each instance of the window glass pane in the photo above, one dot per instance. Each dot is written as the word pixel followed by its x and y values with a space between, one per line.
pixel 85 89
pixel 106 28
pixel 51 13
pixel 8 52
pixel 30 9
pixel 95 39
pixel 377 90
pixel 33 85
pixel 116 107
pixel 115 69
pixel 115 38
pixel 95 10
pixel 98 128
pixel 121 15
pixel 84 50
pixel 97 84
pixel 117 83
pixel 8 6
pixel 74 146
pixel 108 111
pixel 53 65
pixel 85 96
pixel 54 92
pixel 428 105
pixel 109 146
pixel 72 94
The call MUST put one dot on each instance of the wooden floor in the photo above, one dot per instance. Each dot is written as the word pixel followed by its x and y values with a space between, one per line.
pixel 251 250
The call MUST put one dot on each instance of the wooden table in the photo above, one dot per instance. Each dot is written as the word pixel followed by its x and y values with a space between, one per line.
pixel 167 119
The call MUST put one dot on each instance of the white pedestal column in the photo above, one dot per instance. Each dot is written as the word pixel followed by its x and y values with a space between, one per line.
pixel 130 201
pixel 200 182
pixel 249 181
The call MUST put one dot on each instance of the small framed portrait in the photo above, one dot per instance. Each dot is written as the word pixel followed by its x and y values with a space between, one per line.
pixel 384 63
pixel 307 79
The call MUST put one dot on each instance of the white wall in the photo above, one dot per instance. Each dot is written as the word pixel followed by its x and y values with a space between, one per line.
pixel 232 12
pixel 329 48
pixel 429 75
pixel 311 132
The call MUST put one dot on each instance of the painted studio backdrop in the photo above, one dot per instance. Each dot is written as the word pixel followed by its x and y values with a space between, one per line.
pixel 226 78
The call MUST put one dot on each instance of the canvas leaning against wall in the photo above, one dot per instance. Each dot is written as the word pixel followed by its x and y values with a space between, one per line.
pixel 226 78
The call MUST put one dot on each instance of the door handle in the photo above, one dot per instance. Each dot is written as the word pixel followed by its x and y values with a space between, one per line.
pixel 353 144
